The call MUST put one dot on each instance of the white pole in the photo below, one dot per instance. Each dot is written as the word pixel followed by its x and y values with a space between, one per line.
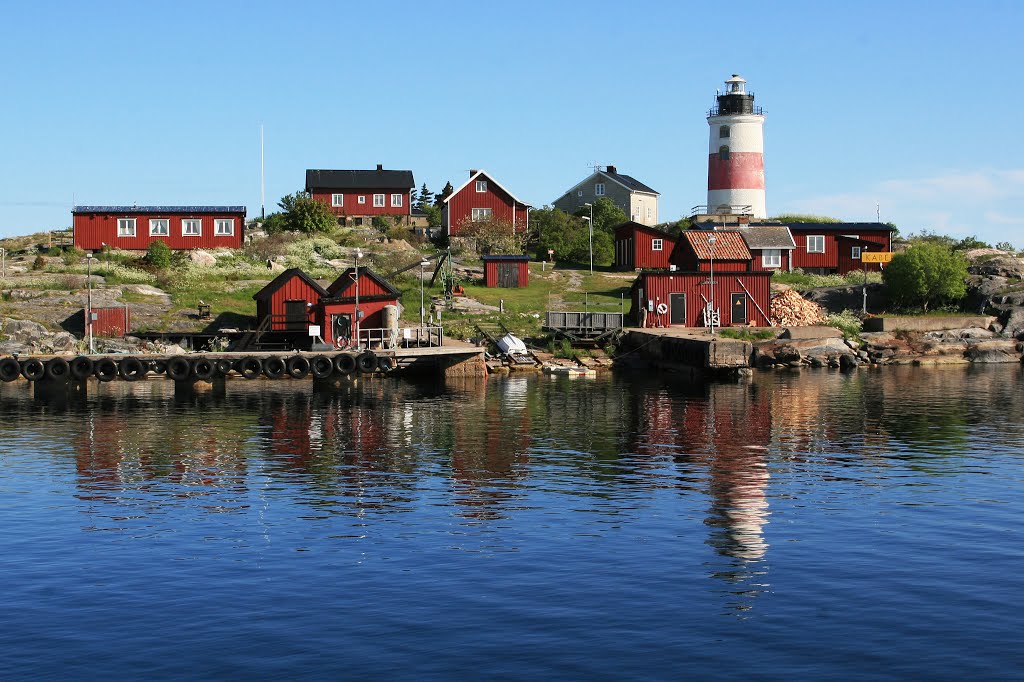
pixel 263 184
pixel 591 239
pixel 711 245
pixel 359 254
pixel 421 293
pixel 88 314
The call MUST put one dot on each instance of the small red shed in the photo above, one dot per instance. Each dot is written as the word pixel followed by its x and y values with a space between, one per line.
pixel 134 228
pixel 641 247
pixel 338 306
pixel 290 301
pixel 509 272
pixel 109 322
pixel 482 199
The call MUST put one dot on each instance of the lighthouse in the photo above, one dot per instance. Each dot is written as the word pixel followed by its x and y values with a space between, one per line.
pixel 736 153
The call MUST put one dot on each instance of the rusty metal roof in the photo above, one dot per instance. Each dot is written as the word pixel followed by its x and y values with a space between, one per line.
pixel 728 245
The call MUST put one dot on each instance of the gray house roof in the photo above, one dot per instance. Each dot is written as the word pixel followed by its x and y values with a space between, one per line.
pixel 628 181
pixel 359 179
pixel 768 237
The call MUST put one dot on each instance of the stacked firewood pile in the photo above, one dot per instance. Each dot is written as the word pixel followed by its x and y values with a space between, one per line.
pixel 790 309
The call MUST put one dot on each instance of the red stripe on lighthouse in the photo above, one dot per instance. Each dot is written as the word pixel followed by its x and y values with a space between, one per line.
pixel 743 170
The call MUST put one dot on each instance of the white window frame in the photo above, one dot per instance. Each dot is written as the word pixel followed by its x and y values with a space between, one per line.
pixel 579 192
pixel 598 189
pixel 186 233
pixel 165 223
pixel 724 131
pixel 218 227
pixel 481 186
pixel 126 227
pixel 337 200
pixel 771 258
pixel 657 244
pixel 378 201
pixel 480 214
pixel 817 239
pixel 650 213
pixel 396 201
pixel 855 253
pixel 362 199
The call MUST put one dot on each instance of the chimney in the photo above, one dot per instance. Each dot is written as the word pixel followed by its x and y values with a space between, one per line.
pixel 380 166
pixel 611 169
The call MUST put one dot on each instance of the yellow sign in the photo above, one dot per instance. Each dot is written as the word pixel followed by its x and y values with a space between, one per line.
pixel 876 257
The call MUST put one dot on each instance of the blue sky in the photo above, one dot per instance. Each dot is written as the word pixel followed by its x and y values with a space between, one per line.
pixel 912 105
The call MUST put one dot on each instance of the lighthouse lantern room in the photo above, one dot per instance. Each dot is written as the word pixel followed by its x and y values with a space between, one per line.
pixel 736 153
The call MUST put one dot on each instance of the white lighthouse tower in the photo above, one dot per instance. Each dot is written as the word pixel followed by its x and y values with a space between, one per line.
pixel 736 153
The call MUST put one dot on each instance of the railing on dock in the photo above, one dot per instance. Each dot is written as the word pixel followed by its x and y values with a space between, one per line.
pixel 427 336
pixel 585 325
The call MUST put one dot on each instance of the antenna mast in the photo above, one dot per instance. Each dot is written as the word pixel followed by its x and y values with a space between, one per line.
pixel 263 184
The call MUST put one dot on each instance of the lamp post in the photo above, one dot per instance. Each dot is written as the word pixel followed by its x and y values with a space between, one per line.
pixel 711 246
pixel 591 221
pixel 106 258
pixel 358 255
pixel 423 263
pixel 3 263
pixel 88 312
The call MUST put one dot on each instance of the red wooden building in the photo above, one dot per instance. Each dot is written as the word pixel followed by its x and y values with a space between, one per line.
pixel 482 199
pixel 771 246
pixel 134 228
pixel 337 309
pixel 108 322
pixel 835 248
pixel 506 271
pixel 678 297
pixel 360 195
pixel 290 301
pixel 641 247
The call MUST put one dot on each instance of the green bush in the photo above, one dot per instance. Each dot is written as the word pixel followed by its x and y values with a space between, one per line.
pixel 39 263
pixel 158 254
pixel 926 275
pixel 848 322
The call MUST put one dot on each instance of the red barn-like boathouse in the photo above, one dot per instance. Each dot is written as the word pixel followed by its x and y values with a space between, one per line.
pixel 134 228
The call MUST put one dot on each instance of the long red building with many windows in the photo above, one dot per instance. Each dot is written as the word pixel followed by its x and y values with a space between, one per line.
pixel 357 196
pixel 134 228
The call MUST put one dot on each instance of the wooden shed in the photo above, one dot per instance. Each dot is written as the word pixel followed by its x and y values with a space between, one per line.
pixel 113 322
pixel 641 247
pixel 290 302
pixel 509 272
pixel 679 298
pixel 337 312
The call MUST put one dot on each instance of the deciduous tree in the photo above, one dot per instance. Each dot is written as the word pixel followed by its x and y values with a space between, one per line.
pixel 303 213
pixel 927 275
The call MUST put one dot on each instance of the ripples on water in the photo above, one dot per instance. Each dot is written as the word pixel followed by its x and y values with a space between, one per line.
pixel 816 524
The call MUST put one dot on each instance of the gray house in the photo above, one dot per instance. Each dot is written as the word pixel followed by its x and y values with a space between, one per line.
pixel 639 201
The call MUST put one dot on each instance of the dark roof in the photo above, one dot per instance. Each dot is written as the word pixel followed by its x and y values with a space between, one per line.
pixel 359 179
pixel 632 224
pixel 630 182
pixel 159 209
pixel 345 280
pixel 728 245
pixel 508 257
pixel 280 280
pixel 768 237
pixel 852 228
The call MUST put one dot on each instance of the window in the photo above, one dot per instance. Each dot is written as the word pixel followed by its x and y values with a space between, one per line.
pixel 815 243
pixel 771 258
pixel 378 200
pixel 159 227
pixel 599 189
pixel 481 186
pixel 723 131
pixel 396 200
pixel 656 244
pixel 337 200
pixel 362 200
pixel 224 227
pixel 650 212
pixel 855 253
pixel 723 153
pixel 126 227
pixel 482 213
pixel 191 227
pixel 579 192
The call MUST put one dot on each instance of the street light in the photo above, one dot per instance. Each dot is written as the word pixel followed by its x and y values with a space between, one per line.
pixel 591 221
pixel 88 314
pixel 3 263
pixel 423 264
pixel 711 312
pixel 358 255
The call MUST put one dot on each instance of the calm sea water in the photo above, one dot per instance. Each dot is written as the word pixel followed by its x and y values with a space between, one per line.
pixel 814 525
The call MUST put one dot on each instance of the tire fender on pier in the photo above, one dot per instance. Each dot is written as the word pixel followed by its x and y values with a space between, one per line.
pixel 274 367
pixel 386 364
pixel 132 369
pixel 9 369
pixel 223 367
pixel 345 363
pixel 105 369
pixel 297 367
pixel 250 368
pixel 178 368
pixel 321 367
pixel 57 368
pixel 81 367
pixel 33 369
pixel 367 362
pixel 203 369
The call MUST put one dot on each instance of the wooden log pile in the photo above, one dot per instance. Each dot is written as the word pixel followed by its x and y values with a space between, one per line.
pixel 790 309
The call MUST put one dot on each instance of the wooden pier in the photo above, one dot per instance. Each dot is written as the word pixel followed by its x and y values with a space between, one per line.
pixel 686 349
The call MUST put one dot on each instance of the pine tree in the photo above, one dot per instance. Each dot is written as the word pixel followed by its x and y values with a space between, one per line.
pixel 426 197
